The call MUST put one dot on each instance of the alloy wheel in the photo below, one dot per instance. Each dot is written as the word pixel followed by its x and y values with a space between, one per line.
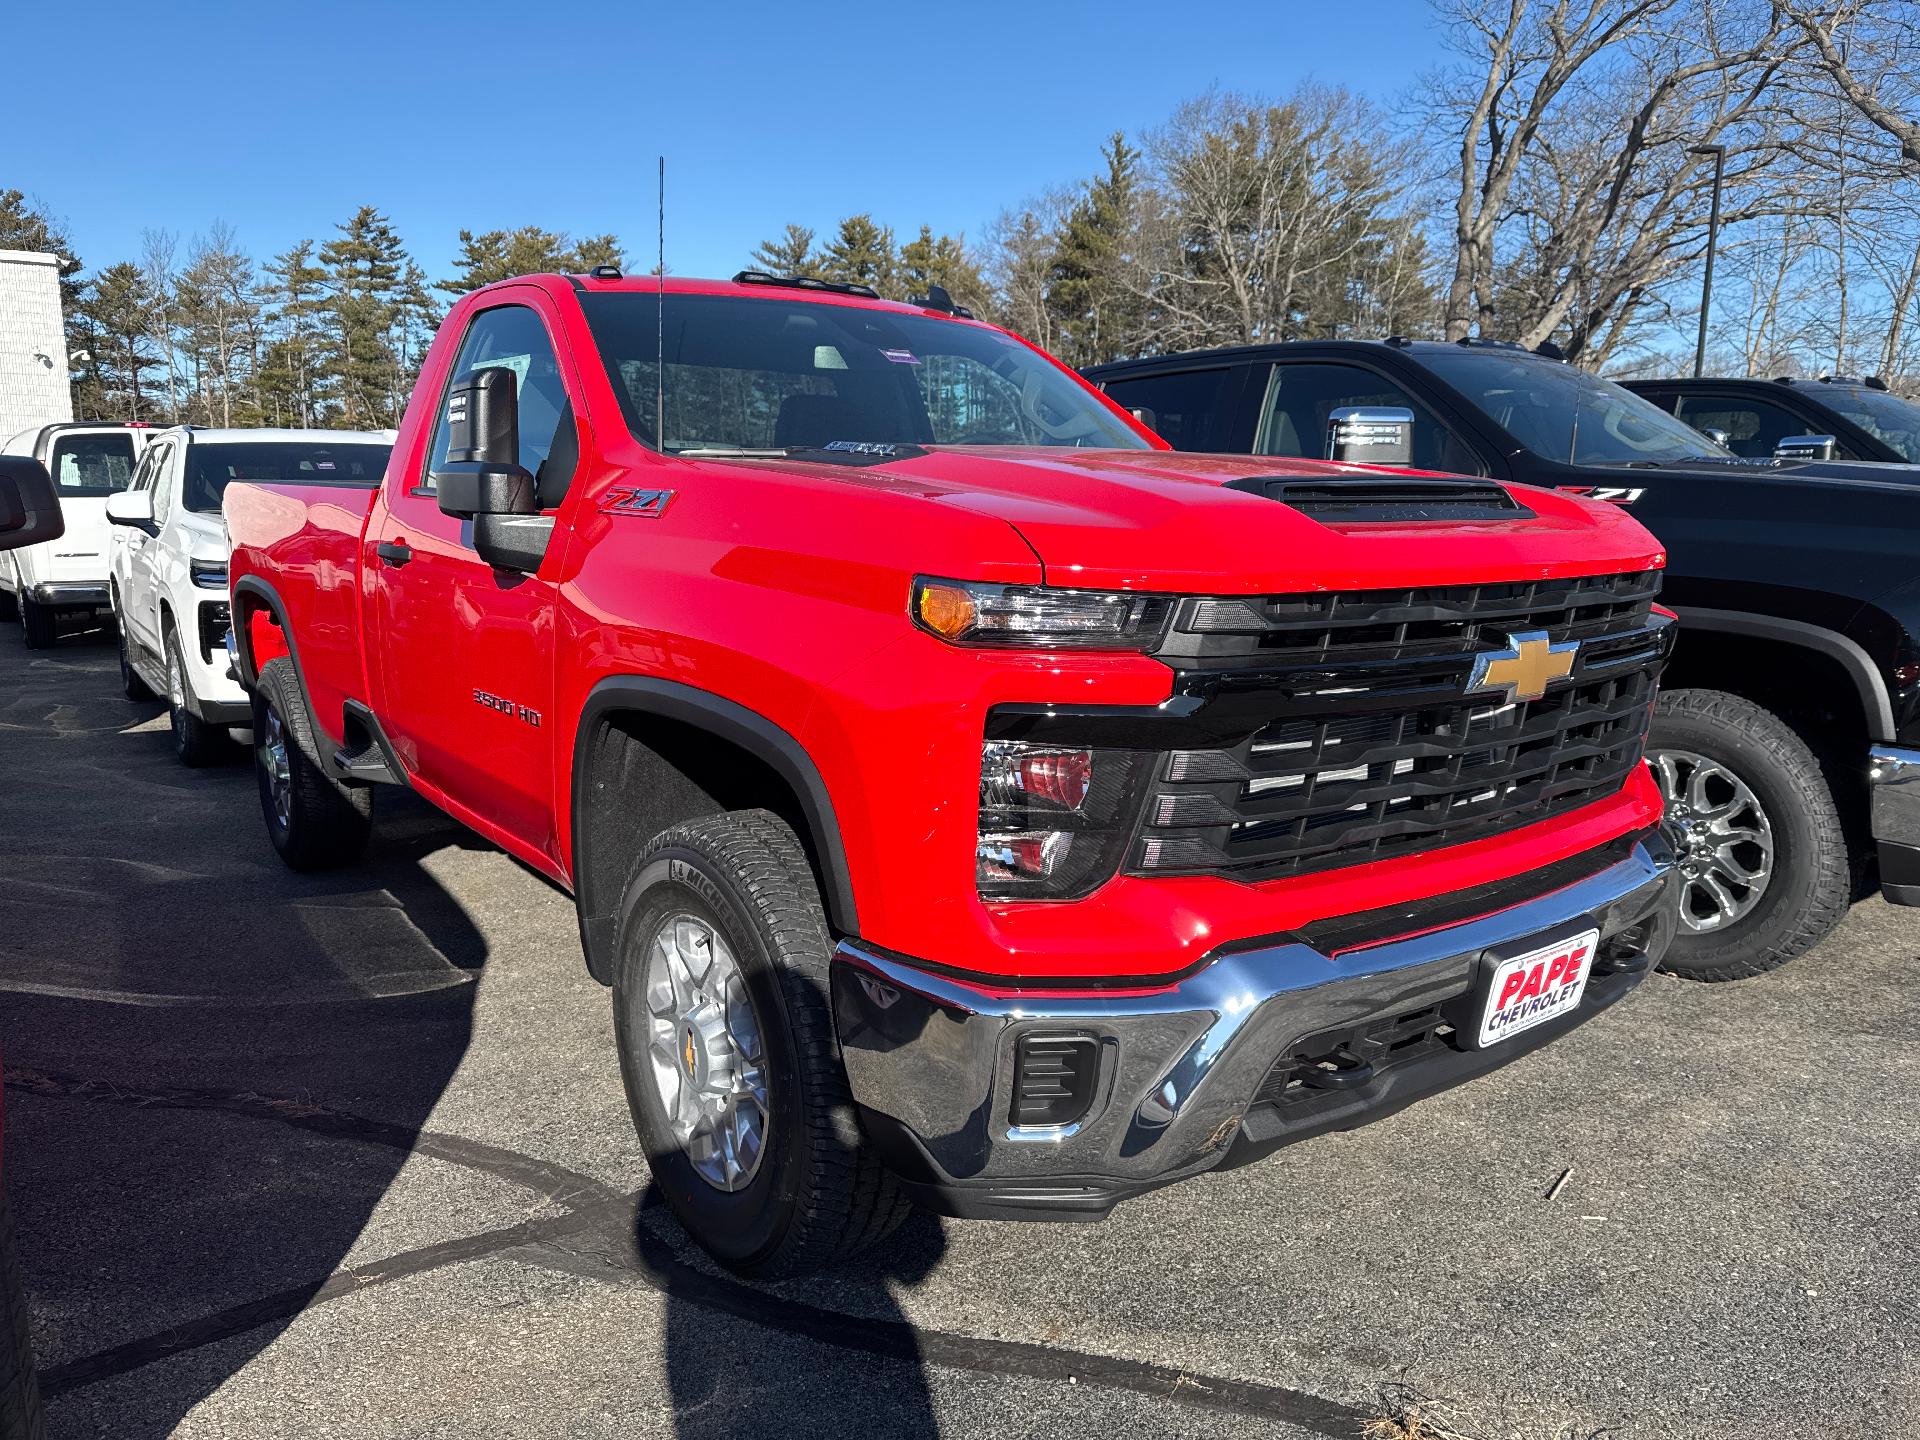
pixel 706 1053
pixel 1722 839
pixel 273 756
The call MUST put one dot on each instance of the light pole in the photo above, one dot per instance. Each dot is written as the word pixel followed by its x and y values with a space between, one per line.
pixel 1719 153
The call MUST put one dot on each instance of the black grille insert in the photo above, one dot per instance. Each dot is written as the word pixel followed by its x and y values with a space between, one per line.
pixel 1347 737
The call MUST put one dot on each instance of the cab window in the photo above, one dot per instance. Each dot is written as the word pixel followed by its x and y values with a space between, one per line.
pixel 1302 395
pixel 1753 427
pixel 1192 409
pixel 513 336
pixel 162 479
pixel 88 465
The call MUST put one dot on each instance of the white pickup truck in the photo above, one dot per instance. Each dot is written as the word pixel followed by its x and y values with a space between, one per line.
pixel 168 562
pixel 88 461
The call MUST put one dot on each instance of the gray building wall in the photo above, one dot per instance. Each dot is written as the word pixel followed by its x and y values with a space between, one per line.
pixel 34 386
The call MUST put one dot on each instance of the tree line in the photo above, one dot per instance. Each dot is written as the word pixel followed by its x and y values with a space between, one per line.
pixel 1551 181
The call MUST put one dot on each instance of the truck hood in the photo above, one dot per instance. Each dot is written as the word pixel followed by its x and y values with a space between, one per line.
pixel 1172 521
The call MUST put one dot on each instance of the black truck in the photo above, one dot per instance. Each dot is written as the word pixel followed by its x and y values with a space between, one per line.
pixel 1837 417
pixel 1787 735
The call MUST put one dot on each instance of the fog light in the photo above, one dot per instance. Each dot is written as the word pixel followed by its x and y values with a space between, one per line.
pixel 1053 1079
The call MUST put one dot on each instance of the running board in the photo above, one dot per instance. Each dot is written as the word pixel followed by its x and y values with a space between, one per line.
pixel 374 763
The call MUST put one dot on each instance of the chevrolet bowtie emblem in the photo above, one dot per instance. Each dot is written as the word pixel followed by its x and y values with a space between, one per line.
pixel 1529 664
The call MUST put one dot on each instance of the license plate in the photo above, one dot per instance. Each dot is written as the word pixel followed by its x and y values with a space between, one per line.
pixel 1536 987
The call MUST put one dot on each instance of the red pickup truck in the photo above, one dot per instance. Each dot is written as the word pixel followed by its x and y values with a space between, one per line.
pixel 969 802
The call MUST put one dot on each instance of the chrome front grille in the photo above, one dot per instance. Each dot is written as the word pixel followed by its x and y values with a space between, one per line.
pixel 1359 743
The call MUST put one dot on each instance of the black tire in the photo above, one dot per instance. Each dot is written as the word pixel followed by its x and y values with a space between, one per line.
pixel 131 685
pixel 325 824
pixel 1809 884
pixel 196 744
pixel 819 1193
pixel 20 1414
pixel 38 623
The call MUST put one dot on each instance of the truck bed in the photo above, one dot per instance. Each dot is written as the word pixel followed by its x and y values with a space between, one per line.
pixel 303 543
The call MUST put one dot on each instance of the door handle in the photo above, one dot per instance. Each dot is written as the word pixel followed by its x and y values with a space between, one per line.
pixel 395 552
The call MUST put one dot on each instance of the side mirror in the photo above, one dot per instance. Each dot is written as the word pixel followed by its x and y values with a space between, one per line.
pixel 1722 438
pixel 483 479
pixel 1806 447
pixel 1370 435
pixel 29 505
pixel 131 507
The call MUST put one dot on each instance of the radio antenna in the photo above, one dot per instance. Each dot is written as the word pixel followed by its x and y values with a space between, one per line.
pixel 660 318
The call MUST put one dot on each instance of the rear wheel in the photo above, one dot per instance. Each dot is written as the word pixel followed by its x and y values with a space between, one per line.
pixel 728 1051
pixel 1762 855
pixel 38 622
pixel 314 822
pixel 195 742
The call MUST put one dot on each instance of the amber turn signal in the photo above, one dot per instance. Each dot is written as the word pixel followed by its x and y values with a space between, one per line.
pixel 947 610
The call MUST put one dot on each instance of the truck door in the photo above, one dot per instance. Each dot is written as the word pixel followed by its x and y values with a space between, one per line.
pixel 466 666
pixel 143 598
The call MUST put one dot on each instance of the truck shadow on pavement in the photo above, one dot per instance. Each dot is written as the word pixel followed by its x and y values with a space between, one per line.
pixel 188 1030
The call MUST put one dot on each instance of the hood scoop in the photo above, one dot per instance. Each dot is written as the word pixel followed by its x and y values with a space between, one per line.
pixel 1386 499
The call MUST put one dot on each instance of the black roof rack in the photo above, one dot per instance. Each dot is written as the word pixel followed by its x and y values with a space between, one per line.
pixel 805 282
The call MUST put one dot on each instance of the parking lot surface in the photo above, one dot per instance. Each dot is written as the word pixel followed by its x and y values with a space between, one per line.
pixel 347 1155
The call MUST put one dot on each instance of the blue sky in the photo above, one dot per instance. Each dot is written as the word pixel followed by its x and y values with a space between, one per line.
pixel 281 119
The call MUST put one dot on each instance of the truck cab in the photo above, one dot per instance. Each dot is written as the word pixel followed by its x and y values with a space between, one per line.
pixel 47 582
pixel 968 801
pixel 1836 417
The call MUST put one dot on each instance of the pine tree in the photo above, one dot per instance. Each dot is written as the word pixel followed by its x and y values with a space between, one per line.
pixel 860 254
pixel 791 254
pixel 926 261
pixel 364 267
pixel 290 374
pixel 1095 317
pixel 118 306
pixel 502 254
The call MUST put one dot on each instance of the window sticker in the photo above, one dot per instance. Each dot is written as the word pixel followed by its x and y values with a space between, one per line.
pixel 901 357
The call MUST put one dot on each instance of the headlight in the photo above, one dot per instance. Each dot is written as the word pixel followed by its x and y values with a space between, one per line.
pixel 1038 617
pixel 208 574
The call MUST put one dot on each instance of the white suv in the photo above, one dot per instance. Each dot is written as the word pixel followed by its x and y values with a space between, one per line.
pixel 168 561
pixel 88 462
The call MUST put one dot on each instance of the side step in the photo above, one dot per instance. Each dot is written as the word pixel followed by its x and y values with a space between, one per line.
pixel 372 763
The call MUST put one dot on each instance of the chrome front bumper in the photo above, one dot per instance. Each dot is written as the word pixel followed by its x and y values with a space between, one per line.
pixel 70 592
pixel 1181 1069
pixel 1894 773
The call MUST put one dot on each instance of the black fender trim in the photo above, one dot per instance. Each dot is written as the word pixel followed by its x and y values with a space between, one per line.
pixel 250 674
pixel 1867 679
pixel 730 721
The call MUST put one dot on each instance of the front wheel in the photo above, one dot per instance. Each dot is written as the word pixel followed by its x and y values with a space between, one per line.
pixel 314 822
pixel 1762 856
pixel 728 1052
pixel 195 742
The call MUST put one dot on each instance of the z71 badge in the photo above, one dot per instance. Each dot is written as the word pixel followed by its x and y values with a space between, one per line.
pixel 1618 494
pixel 626 500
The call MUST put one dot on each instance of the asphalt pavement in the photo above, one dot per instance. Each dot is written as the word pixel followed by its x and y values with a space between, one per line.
pixel 347 1155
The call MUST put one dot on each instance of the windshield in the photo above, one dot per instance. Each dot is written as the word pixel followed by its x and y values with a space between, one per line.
pixel 88 465
pixel 1561 413
pixel 771 375
pixel 1892 421
pixel 212 466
